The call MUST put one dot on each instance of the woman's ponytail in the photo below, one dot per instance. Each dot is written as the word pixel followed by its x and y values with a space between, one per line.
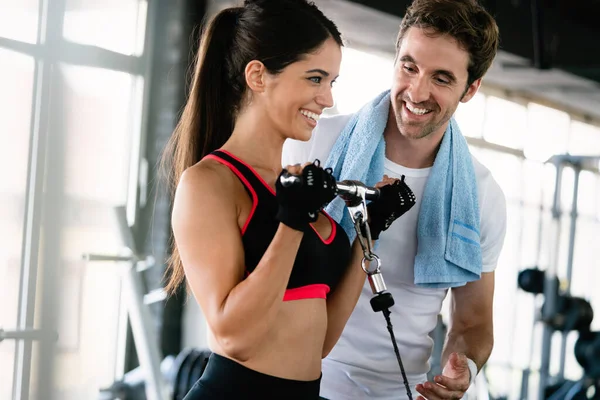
pixel 208 116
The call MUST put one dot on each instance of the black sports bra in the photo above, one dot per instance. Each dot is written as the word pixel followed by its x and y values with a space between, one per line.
pixel 320 262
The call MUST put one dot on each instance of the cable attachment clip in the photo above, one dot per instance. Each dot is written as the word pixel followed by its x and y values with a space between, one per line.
pixel 356 202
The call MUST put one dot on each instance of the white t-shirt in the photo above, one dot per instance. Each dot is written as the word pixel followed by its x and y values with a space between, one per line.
pixel 363 365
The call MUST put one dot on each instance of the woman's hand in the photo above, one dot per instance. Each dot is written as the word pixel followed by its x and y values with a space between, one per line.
pixel 300 204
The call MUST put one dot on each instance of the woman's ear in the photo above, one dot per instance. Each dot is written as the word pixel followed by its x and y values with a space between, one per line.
pixel 255 76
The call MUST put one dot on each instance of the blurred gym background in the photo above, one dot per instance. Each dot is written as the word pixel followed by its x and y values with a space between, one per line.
pixel 90 90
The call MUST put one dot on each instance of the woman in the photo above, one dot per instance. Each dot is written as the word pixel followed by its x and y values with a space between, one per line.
pixel 269 269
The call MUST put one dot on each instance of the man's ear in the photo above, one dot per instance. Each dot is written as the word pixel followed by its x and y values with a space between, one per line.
pixel 255 76
pixel 471 91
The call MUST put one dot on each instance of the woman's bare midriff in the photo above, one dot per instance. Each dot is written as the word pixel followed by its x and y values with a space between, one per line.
pixel 293 347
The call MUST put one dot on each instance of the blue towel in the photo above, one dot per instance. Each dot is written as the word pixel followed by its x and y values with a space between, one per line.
pixel 448 252
pixel 359 154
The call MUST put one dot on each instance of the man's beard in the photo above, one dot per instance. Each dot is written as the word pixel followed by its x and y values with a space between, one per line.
pixel 426 130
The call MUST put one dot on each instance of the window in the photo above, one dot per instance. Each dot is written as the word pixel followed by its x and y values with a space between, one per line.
pixel 19 20
pixel 116 25
pixel 499 129
pixel 471 116
pixel 362 77
pixel 94 153
pixel 584 139
pixel 548 132
pixel 71 127
pixel 16 81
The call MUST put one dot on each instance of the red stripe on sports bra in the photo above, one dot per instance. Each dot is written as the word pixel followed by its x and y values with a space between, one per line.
pixel 246 183
pixel 333 230
pixel 251 169
pixel 332 222
pixel 315 291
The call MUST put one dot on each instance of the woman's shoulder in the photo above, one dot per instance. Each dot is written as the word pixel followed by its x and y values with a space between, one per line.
pixel 206 181
pixel 207 171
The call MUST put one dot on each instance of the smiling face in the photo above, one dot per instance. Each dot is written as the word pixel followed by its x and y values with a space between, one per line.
pixel 430 80
pixel 295 98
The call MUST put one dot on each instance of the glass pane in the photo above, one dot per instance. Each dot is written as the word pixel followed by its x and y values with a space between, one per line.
pixel 499 128
pixel 587 257
pixel 588 197
pixel 586 261
pixel 566 196
pixel 573 370
pixel 533 226
pixel 532 179
pixel 547 132
pixel 98 121
pixel 351 90
pixel 584 139
pixel 116 25
pixel 506 284
pixel 19 19
pixel 505 168
pixel 88 175
pixel 16 81
pixel 470 116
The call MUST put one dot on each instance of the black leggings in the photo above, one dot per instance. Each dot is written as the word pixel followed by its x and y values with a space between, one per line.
pixel 225 379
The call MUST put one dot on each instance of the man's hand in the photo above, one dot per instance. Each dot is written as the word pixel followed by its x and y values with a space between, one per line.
pixel 394 200
pixel 452 384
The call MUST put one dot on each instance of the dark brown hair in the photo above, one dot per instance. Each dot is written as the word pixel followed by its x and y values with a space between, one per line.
pixel 465 20
pixel 275 32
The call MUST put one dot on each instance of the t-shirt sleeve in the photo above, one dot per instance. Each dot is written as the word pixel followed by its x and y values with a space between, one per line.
pixel 493 223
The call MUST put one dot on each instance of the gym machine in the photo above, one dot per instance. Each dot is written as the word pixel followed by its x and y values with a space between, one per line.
pixel 560 311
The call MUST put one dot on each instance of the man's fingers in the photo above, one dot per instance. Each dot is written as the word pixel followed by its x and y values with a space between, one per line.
pixel 428 393
pixel 452 384
pixel 433 391
pixel 385 181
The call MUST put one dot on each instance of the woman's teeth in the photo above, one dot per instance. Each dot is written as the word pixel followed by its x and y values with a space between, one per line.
pixel 310 115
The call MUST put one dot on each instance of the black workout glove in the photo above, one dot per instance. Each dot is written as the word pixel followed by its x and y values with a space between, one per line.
pixel 300 204
pixel 394 200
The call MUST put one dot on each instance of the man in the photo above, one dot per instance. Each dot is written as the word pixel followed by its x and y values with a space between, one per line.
pixel 444 49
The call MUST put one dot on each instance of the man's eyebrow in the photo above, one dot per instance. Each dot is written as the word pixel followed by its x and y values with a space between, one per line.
pixel 318 70
pixel 448 74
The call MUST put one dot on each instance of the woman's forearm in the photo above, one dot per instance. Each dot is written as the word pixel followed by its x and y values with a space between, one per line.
pixel 252 305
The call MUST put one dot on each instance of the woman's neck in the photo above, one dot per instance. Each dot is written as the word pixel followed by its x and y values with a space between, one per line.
pixel 257 145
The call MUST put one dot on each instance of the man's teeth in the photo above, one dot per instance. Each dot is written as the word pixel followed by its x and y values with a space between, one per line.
pixel 415 110
pixel 310 115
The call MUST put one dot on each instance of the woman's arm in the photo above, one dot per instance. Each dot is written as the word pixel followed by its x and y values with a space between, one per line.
pixel 205 224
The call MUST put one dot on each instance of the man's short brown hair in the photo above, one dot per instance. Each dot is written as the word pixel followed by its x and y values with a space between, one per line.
pixel 465 20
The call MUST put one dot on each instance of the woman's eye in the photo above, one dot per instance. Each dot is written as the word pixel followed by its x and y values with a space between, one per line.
pixel 316 79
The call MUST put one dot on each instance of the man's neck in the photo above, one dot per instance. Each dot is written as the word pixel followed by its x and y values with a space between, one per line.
pixel 410 153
